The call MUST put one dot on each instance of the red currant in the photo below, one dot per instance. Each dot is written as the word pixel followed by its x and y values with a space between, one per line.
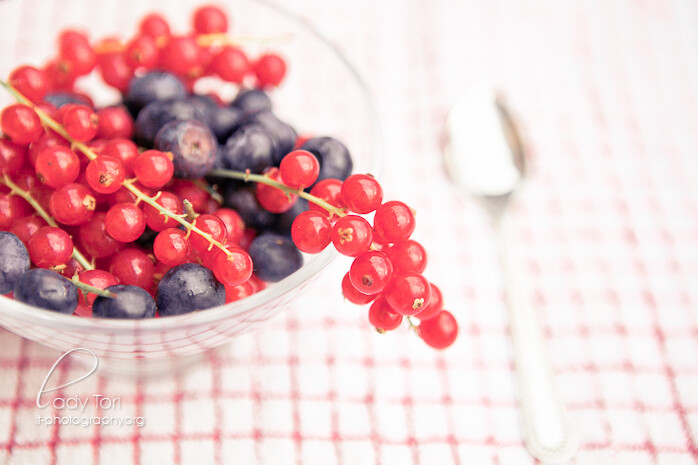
pixel 72 268
pixel 230 64
pixel 171 246
pixel 116 72
pixel 329 190
pixel 394 221
pixel 142 52
pixel 25 227
pixel 153 168
pixel 407 256
pixel 96 278
pixel 232 268
pixel 75 53
pixel 50 247
pixel 382 317
pixel 370 272
pixel 155 26
pixel 210 20
pixel 105 174
pixel 60 77
pixel 352 295
pixel 46 139
pixel 187 190
pixel 299 169
pixel 155 219
pixel 408 293
pixel 181 55
pixel 12 156
pixel 270 70
pixel 11 208
pixel 311 231
pixel 114 123
pixel 125 222
pixel 352 235
pixel 208 224
pixel 30 82
pixel 361 193
pixel 234 225
pixel 439 332
pixel 133 268
pixel 72 204
pixel 436 304
pixel 20 124
pixel 273 199
pixel 124 150
pixel 235 293
pixel 57 166
pixel 80 122
pixel 94 239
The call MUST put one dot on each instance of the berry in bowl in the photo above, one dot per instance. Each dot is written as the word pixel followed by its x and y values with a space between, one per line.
pixel 156 198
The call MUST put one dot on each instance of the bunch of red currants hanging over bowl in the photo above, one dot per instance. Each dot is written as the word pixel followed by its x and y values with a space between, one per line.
pixel 175 200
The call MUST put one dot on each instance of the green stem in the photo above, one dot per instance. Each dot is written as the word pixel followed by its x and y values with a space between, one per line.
pixel 91 289
pixel 15 189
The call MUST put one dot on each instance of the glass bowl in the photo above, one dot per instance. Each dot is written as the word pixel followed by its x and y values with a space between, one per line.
pixel 321 95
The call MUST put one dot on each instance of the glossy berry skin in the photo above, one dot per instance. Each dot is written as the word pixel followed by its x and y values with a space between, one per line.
pixel 352 235
pixel 248 148
pixel 105 174
pixel 244 201
pixel 12 207
pixel 20 124
pixel 408 293
pixel 96 278
pixel 283 222
pixel 282 135
pixel 181 55
pixel 80 122
pixel 370 272
pixel 50 247
pixel 187 288
pixel 334 157
pixel 193 147
pixel 25 227
pixel 407 256
pixel 232 268
pixel 394 221
pixel 57 166
pixel 274 257
pixel 156 220
pixel 252 101
pixel 230 64
pixel 30 82
pixel 172 247
pixel 210 20
pixel 75 53
pixel 72 204
pixel 209 224
pixel 152 86
pixel 132 267
pixel 142 52
pixel 439 332
pixel 114 122
pixel 123 150
pixel 12 156
pixel 154 25
pixel 235 293
pixel 273 199
pixel 329 190
pixel 94 239
pixel 299 169
pixel 270 70
pixel 187 190
pixel 311 232
pixel 352 295
pixel 234 225
pixel 46 289
pixel 46 139
pixel 224 121
pixel 436 304
pixel 125 222
pixel 157 114
pixel 153 168
pixel 14 261
pixel 361 193
pixel 115 71
pixel 131 302
pixel 382 316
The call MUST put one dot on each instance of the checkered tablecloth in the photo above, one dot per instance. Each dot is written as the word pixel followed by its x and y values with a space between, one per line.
pixel 606 93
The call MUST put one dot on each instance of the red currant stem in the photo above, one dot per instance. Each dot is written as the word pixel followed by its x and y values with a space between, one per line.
pixel 15 189
pixel 215 195
pixel 412 326
pixel 247 177
pixel 91 289
pixel 56 126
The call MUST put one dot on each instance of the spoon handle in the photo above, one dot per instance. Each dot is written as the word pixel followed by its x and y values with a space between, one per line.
pixel 549 433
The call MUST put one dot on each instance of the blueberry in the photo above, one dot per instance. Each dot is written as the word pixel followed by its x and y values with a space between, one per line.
pixel 188 287
pixel 244 201
pixel 130 302
pixel 157 114
pixel 14 261
pixel 155 85
pixel 335 160
pixel 252 101
pixel 204 104
pixel 193 147
pixel 223 121
pixel 58 99
pixel 46 289
pixel 283 135
pixel 274 257
pixel 249 148
pixel 282 223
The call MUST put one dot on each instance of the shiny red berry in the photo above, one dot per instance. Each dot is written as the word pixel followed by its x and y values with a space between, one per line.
pixel 72 204
pixel 407 256
pixel 209 224
pixel 210 19
pixel 93 237
pixel 230 64
pixel 12 156
pixel 46 139
pixel 80 122
pixel 114 122
pixel 30 82
pixel 408 293
pixel 20 124
pixel 187 190
pixel 158 221
pixel 439 332
pixel 436 304
pixel 299 169
pixel 352 235
pixel 153 168
pixel 155 26
pixel 75 53
pixel 181 55
pixel 352 295
pixel 361 193
pixel 270 70
pixel 25 227
pixel 232 268
pixel 12 207
pixel 273 199
pixel 171 246
pixel 50 247
pixel 124 150
pixel 235 293
pixel 57 166
pixel 370 272
pixel 105 174
pixel 132 267
pixel 116 72
pixel 329 190
pixel 142 52
pixel 311 231
pixel 96 278
pixel 394 221
pixel 382 316
pixel 234 225
pixel 125 222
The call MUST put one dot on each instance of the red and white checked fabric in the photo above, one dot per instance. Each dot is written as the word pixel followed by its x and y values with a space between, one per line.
pixel 607 97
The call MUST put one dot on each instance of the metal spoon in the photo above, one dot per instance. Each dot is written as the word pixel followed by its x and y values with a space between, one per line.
pixel 485 158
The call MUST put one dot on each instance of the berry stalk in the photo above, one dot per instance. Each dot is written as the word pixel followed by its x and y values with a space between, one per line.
pixel 15 189
pixel 91 289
